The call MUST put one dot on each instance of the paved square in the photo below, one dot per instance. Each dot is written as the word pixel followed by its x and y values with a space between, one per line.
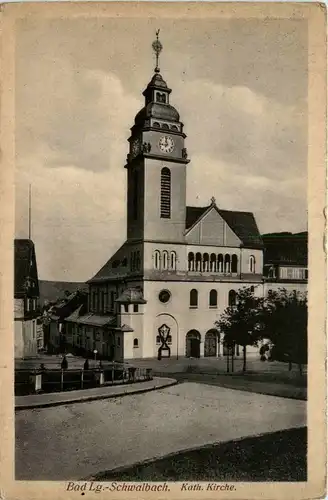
pixel 79 440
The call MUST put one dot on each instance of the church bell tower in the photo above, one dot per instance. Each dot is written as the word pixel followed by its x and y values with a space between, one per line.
pixel 156 166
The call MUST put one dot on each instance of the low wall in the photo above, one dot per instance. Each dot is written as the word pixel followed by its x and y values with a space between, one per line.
pixel 58 380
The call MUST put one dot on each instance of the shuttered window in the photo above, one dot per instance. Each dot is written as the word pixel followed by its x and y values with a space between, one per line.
pixel 165 193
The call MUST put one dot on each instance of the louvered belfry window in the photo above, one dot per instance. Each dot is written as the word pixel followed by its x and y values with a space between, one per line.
pixel 165 193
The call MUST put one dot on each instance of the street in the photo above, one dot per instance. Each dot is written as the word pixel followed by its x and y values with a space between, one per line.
pixel 80 440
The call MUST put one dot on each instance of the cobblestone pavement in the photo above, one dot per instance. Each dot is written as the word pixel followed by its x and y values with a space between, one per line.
pixel 80 440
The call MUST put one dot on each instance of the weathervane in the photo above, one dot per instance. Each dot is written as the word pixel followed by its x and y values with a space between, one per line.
pixel 157 48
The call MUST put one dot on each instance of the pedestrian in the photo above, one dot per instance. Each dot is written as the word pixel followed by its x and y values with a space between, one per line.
pixel 86 365
pixel 64 363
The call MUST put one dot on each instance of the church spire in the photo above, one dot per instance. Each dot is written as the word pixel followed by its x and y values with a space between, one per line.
pixel 157 48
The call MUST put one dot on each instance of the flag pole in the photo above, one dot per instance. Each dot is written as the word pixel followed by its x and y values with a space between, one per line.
pixel 29 212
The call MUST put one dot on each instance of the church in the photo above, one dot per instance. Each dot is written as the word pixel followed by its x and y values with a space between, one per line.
pixel 161 293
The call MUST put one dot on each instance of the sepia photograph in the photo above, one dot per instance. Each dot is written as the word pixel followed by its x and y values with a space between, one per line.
pixel 161 268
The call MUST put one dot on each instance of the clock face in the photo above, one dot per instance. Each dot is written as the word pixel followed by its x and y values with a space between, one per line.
pixel 135 147
pixel 166 144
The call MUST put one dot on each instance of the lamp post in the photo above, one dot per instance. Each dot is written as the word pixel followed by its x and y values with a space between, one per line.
pixel 95 353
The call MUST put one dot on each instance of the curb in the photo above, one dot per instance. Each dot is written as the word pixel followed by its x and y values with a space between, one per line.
pixel 88 399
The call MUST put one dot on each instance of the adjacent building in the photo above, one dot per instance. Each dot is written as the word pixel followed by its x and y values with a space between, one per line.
pixel 286 259
pixel 26 298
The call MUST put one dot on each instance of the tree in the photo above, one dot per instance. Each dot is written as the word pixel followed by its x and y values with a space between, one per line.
pixel 241 323
pixel 285 323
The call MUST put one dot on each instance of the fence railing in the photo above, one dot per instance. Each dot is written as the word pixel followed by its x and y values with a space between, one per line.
pixel 57 380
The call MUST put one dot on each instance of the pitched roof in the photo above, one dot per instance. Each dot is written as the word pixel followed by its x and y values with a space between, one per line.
pixel 91 319
pixel 26 274
pixel 115 268
pixel 286 248
pixel 193 214
pixel 243 224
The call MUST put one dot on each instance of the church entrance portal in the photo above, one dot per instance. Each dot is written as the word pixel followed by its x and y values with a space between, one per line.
pixel 211 343
pixel 193 344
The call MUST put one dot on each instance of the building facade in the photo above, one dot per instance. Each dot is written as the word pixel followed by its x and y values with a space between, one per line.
pixel 26 299
pixel 163 290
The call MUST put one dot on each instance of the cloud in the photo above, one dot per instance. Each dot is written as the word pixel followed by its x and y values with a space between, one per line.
pixel 72 149
pixel 80 117
pixel 248 131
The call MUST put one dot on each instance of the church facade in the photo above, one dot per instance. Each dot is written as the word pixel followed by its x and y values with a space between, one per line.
pixel 161 293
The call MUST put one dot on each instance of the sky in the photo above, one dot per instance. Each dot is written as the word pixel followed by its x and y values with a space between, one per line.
pixel 240 86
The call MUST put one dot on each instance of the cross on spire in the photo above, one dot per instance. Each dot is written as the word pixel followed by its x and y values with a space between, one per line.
pixel 157 48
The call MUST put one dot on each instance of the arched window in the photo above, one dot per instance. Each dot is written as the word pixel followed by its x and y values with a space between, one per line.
pixel 234 263
pixel 165 126
pixel 175 128
pixel 157 260
pixel 213 299
pixel 213 263
pixel 206 262
pixel 227 263
pixel 135 343
pixel 191 261
pixel 271 272
pixel 156 125
pixel 165 193
pixel 193 298
pixel 198 261
pixel 232 298
pixel 165 259
pixel 173 261
pixel 252 264
pixel 220 263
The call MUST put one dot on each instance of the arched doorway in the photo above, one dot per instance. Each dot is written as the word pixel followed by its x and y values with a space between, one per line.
pixel 193 344
pixel 211 343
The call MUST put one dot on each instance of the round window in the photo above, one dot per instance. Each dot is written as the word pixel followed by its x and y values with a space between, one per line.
pixel 164 296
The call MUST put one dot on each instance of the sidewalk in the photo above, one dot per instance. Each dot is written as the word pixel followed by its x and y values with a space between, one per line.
pixel 104 392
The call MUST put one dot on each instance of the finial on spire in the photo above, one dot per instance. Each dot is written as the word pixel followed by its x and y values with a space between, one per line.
pixel 213 200
pixel 157 48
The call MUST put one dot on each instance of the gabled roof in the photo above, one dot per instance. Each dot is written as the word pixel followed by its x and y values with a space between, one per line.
pixel 26 274
pixel 243 224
